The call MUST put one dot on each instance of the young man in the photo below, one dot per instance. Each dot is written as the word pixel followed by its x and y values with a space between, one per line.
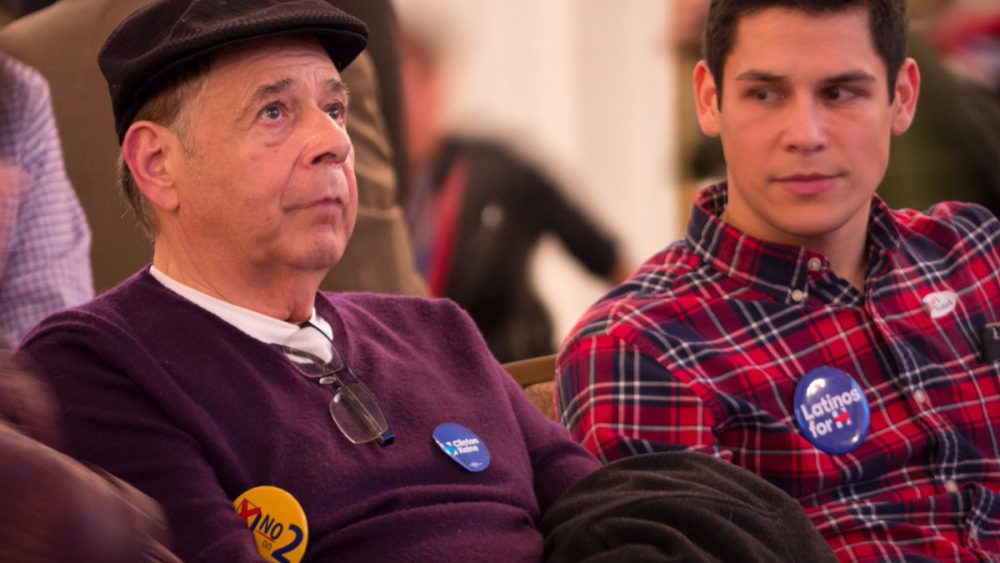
pixel 846 352
pixel 221 383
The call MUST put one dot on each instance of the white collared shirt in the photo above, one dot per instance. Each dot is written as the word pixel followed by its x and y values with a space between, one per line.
pixel 262 327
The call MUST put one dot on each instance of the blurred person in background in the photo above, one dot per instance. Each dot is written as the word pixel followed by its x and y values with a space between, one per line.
pixel 54 509
pixel 968 37
pixel 17 8
pixel 44 239
pixel 952 151
pixel 477 209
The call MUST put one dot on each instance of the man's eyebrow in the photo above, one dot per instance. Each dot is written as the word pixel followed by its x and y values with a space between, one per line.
pixel 264 91
pixel 853 76
pixel 753 75
pixel 267 90
pixel 337 86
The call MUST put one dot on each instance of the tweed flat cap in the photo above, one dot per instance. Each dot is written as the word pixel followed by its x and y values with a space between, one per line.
pixel 154 43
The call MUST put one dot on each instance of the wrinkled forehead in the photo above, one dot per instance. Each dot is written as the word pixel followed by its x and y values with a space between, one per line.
pixel 240 70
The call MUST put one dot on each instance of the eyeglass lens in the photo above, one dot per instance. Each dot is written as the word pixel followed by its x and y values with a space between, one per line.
pixel 356 412
pixel 353 408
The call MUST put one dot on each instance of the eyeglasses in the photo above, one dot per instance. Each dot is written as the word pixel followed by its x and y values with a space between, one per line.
pixel 354 408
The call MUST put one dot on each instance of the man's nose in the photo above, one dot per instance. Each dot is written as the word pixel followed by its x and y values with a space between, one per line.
pixel 805 126
pixel 326 139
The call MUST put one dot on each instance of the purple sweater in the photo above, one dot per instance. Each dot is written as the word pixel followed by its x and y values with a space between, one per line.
pixel 194 412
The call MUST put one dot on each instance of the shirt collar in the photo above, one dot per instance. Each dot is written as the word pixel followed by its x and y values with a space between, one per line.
pixel 262 327
pixel 883 228
pixel 773 267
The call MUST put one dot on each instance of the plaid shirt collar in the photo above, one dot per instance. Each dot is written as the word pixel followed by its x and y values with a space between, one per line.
pixel 780 270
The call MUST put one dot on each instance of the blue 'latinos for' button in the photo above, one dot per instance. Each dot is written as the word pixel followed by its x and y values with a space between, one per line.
pixel 832 410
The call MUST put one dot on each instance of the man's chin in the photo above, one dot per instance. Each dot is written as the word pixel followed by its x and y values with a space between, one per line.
pixel 321 260
pixel 324 263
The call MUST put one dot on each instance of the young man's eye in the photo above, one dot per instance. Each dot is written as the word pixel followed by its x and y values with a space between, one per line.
pixel 839 94
pixel 764 95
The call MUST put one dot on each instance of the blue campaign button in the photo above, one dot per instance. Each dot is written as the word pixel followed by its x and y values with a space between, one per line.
pixel 832 410
pixel 462 446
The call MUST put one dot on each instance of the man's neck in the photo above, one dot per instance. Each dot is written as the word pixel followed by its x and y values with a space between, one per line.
pixel 288 298
pixel 847 251
pixel 853 267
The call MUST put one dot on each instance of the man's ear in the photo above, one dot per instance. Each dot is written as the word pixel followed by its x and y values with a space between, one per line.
pixel 907 91
pixel 146 149
pixel 706 97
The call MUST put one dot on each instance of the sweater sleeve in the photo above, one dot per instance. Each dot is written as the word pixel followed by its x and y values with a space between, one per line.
pixel 557 461
pixel 112 418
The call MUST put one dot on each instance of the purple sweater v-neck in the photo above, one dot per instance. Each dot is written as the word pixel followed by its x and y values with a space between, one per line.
pixel 194 412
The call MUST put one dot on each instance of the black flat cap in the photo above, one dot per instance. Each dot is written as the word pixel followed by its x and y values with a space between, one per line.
pixel 154 43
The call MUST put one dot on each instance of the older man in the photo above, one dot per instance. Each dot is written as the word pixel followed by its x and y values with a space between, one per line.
pixel 62 42
pixel 221 383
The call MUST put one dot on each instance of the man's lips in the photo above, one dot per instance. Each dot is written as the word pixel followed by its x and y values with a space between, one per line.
pixel 321 203
pixel 807 184
pixel 329 201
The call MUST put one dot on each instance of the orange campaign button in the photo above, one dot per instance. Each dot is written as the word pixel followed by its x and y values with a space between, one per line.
pixel 277 522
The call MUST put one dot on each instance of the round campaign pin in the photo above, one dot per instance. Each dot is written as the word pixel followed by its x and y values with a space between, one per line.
pixel 832 410
pixel 463 446
pixel 277 522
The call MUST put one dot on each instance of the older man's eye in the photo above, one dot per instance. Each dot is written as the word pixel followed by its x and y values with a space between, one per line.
pixel 272 112
pixel 337 111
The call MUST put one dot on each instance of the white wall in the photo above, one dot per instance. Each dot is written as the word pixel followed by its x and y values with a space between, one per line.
pixel 583 83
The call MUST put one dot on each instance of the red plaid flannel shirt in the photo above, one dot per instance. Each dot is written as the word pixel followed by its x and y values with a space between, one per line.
pixel 702 347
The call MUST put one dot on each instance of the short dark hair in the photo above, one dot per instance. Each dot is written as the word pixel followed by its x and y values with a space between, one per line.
pixel 887 22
